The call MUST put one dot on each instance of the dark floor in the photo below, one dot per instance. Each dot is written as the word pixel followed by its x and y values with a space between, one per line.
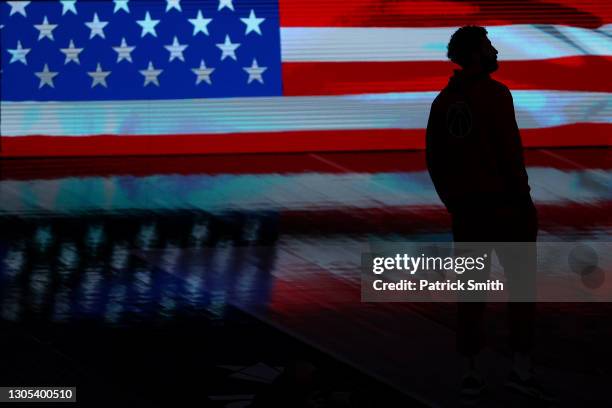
pixel 233 281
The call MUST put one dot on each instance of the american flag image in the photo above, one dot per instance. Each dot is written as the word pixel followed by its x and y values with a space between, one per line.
pixel 180 76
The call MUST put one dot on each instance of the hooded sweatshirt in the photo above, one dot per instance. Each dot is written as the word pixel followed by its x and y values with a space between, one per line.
pixel 473 146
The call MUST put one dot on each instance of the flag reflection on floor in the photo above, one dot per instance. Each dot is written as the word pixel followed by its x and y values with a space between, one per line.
pixel 278 237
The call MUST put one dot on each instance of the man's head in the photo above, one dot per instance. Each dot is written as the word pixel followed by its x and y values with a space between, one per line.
pixel 470 48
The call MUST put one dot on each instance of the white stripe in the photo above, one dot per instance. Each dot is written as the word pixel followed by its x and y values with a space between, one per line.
pixel 514 42
pixel 534 109
pixel 606 29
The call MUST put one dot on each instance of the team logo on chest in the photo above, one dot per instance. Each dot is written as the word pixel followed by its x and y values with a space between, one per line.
pixel 459 119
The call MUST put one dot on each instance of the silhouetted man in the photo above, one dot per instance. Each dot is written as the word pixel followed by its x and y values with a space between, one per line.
pixel 475 159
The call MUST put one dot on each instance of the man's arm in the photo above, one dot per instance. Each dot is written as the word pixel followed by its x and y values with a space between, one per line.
pixel 509 146
pixel 435 154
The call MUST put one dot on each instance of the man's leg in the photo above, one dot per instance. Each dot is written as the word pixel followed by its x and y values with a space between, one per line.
pixel 518 256
pixel 519 261
pixel 470 310
pixel 470 328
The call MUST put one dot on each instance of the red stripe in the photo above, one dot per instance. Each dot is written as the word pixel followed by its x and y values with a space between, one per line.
pixel 583 134
pixel 412 219
pixel 336 78
pixel 413 13
pixel 36 146
pixel 356 162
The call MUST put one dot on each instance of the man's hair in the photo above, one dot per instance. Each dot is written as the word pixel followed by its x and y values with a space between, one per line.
pixel 463 42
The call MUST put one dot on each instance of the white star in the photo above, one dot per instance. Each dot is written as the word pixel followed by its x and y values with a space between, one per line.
pixel 46 29
pixel 151 75
pixel 148 25
pixel 68 5
pixel 176 50
pixel 18 7
pixel 226 3
pixel 200 24
pixel 124 51
pixel 203 73
pixel 173 4
pixel 252 23
pixel 121 5
pixel 255 72
pixel 96 26
pixel 99 76
pixel 46 77
pixel 19 54
pixel 72 54
pixel 228 48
